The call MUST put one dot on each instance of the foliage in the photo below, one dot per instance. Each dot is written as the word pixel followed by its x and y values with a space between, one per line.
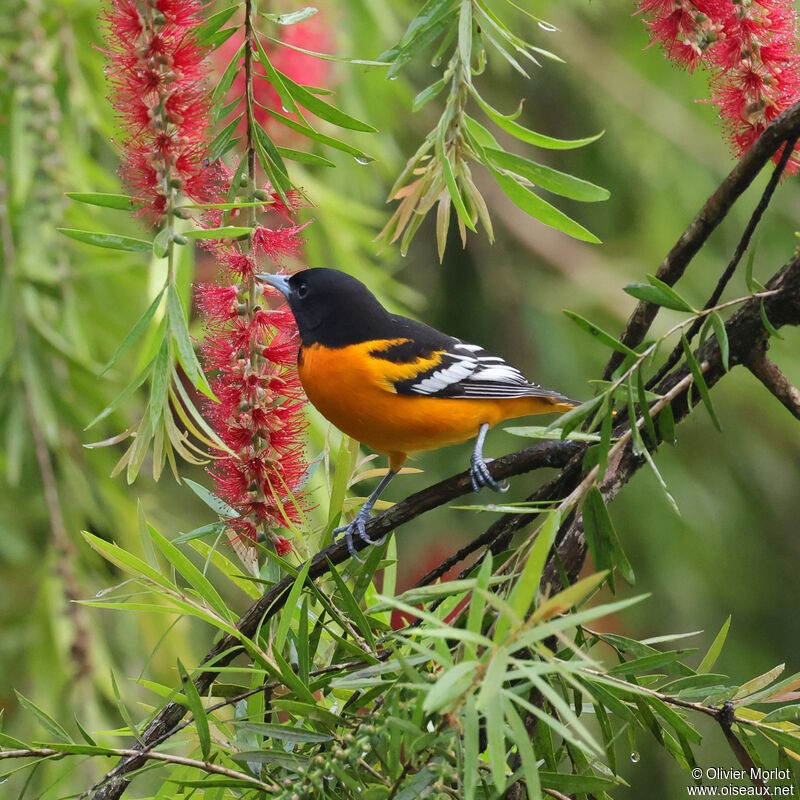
pixel 505 679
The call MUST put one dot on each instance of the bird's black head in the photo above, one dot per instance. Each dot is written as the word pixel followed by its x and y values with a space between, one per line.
pixel 331 307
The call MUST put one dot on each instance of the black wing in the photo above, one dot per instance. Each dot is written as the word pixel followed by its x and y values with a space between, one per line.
pixel 465 371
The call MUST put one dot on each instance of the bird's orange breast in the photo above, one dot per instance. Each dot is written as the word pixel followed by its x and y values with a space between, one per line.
pixel 354 390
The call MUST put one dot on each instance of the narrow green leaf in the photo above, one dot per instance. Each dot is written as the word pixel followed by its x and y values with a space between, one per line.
pixel 180 331
pixel 598 515
pixel 540 209
pixel 289 607
pixel 699 381
pixel 507 123
pixel 213 23
pixel 768 326
pixel 211 500
pixel 192 574
pixel 427 94
pixel 351 605
pixel 644 408
pixel 496 741
pixel 226 81
pixel 722 339
pixel 135 332
pixel 321 109
pixel 330 141
pixel 126 561
pixel 124 711
pixel 122 202
pixel 666 425
pixel 710 658
pixel 477 604
pixel 452 188
pixel 304 157
pixel 648 293
pixel 219 146
pixel 111 241
pixel 471 732
pixel 290 17
pixel 43 718
pixel 198 711
pixel 161 375
pixel 523 742
pixel 225 232
pixel 606 338
pixel 552 180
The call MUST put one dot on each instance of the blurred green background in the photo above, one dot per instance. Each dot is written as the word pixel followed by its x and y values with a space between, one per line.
pixel 733 550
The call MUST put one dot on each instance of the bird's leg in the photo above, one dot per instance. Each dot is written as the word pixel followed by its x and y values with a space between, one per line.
pixel 358 526
pixel 478 471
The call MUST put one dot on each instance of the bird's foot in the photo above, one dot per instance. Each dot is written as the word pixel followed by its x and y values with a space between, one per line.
pixel 480 475
pixel 356 528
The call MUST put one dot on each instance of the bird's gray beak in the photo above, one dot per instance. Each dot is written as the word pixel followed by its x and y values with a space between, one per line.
pixel 279 282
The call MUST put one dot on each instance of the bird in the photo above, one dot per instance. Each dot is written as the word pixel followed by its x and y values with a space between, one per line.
pixel 397 385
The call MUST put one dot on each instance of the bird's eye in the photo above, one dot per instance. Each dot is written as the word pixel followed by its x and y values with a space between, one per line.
pixel 302 290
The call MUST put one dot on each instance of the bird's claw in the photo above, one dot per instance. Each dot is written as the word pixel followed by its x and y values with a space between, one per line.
pixel 358 527
pixel 480 476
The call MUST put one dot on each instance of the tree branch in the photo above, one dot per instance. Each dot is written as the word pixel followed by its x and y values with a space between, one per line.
pixel 769 373
pixel 783 127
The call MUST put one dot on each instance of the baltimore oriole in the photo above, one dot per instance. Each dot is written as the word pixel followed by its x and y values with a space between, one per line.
pixel 395 384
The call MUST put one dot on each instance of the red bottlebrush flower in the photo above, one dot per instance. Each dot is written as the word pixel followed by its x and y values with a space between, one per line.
pixel 252 349
pixel 312 34
pixel 155 71
pixel 750 49
pixel 282 545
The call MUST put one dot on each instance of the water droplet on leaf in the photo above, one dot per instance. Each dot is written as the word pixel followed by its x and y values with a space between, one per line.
pixel 635 757
pixel 363 160
pixel 546 26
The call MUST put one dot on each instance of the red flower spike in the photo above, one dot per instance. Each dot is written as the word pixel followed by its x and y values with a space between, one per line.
pixel 750 50
pixel 156 70
pixel 282 545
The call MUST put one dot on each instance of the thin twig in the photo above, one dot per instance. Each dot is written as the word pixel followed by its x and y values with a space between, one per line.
pixel 783 127
pixel 741 248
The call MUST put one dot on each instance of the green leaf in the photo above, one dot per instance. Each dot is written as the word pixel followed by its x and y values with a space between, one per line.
pixel 666 425
pixel 180 331
pixel 43 718
pixel 321 109
pixel 596 514
pixel 768 326
pixel 710 658
pixel 212 529
pixel 477 604
pixel 225 232
pixel 304 157
pixel 123 710
pixel 226 81
pixel 192 574
pixel 351 606
pixel 213 23
pixel 135 332
pixel 722 339
pixel 552 180
pixel 211 500
pixel 287 733
pixel 451 685
pixel 161 376
pixel 523 741
pixel 126 561
pixel 496 741
pixel 330 141
pixel 452 187
pixel 699 381
pixel 644 407
pixel 290 17
pixel 576 784
pixel 507 123
pixel 111 241
pixel 123 202
pixel 198 711
pixel 606 338
pixel 221 143
pixel 784 714
pixel 658 293
pixel 427 94
pixel 289 607
pixel 540 209
pixel 471 733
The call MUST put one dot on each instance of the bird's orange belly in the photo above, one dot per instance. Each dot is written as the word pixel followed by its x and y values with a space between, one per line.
pixel 349 388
